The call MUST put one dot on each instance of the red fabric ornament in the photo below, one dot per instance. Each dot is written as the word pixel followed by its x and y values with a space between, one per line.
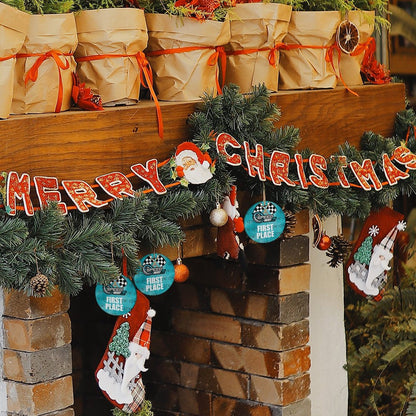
pixel 228 242
pixel 83 97
pixel 239 225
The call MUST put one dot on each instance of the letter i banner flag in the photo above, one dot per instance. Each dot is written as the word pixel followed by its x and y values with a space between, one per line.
pixel 119 373
pixel 370 258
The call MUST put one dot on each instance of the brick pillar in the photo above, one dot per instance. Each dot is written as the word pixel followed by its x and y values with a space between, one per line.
pixel 37 361
pixel 229 343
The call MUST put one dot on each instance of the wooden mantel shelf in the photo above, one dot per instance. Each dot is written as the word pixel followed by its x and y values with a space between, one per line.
pixel 84 145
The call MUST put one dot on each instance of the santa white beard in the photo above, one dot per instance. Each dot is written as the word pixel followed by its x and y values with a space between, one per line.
pixel 379 264
pixel 197 174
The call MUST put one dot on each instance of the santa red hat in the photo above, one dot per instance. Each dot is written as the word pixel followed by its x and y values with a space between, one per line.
pixel 142 336
pixel 192 150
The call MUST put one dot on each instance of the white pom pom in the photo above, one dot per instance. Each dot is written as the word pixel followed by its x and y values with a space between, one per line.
pixel 401 226
pixel 151 313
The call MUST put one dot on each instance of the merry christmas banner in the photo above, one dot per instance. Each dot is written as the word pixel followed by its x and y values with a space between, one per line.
pixel 191 165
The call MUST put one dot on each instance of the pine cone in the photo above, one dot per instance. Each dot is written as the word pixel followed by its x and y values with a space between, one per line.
pixel 39 284
pixel 290 224
pixel 338 251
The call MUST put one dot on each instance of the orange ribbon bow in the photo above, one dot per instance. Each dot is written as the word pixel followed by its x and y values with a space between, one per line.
pixel 218 54
pixel 145 70
pixel 32 74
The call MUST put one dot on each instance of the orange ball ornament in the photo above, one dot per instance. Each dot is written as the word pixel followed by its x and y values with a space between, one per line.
pixel 181 272
pixel 325 242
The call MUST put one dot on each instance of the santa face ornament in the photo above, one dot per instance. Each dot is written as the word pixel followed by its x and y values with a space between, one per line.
pixel 192 164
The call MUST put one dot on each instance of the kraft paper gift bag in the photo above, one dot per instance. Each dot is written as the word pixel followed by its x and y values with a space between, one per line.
pixel 305 66
pixel 256 29
pixel 44 65
pixel 13 28
pixel 350 65
pixel 110 45
pixel 183 56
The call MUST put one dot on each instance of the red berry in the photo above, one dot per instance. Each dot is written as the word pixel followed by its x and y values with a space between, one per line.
pixel 324 243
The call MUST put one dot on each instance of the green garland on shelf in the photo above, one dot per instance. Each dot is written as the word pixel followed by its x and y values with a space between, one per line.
pixel 85 249
pixel 251 119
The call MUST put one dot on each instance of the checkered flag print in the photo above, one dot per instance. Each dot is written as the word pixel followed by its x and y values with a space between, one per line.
pixel 159 260
pixel 268 208
pixel 120 282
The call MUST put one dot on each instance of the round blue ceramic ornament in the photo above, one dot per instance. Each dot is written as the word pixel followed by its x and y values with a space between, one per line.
pixel 118 297
pixel 155 276
pixel 264 222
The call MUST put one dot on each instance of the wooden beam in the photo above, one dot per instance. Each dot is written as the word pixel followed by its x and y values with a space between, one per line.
pixel 403 63
pixel 83 145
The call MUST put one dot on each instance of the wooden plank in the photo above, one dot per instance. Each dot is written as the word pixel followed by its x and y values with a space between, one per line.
pixel 83 145
pixel 328 118
pixel 403 63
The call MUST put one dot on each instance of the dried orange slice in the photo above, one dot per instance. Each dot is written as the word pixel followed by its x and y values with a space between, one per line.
pixel 317 229
pixel 348 36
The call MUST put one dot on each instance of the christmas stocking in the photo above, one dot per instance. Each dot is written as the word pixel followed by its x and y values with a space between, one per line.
pixel 369 261
pixel 119 372
pixel 228 242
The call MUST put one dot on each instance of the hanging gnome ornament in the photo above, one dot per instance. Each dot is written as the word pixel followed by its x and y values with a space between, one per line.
pixel 228 242
pixel 370 259
pixel 119 372
pixel 192 164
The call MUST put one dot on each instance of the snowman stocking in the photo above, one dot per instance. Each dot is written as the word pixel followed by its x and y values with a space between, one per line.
pixel 369 261
pixel 119 372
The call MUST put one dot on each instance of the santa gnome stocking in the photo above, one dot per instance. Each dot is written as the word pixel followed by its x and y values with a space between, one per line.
pixel 228 242
pixel 369 261
pixel 119 372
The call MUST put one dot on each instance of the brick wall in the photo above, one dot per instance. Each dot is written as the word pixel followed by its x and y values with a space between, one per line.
pixel 224 343
pixel 231 343
pixel 37 362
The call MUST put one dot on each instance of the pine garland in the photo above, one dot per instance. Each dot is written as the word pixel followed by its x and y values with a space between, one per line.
pixel 85 249
pixel 251 119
